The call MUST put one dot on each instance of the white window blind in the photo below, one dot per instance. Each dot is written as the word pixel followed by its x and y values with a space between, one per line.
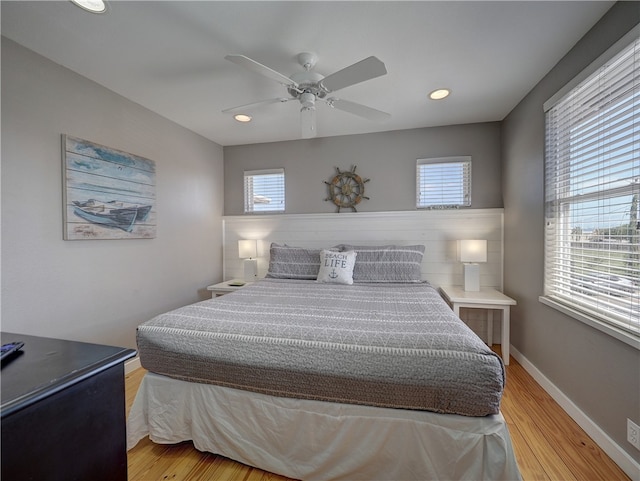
pixel 443 182
pixel 592 181
pixel 264 191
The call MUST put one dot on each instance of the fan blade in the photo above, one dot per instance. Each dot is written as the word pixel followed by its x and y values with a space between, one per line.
pixel 308 122
pixel 366 69
pixel 256 104
pixel 358 109
pixel 261 69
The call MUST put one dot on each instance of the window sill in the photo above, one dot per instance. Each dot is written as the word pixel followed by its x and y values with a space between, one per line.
pixel 621 335
pixel 264 212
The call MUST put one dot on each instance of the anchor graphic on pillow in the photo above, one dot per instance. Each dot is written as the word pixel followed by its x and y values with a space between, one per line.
pixel 333 274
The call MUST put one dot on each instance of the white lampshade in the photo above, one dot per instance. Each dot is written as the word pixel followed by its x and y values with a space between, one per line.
pixel 473 250
pixel 247 248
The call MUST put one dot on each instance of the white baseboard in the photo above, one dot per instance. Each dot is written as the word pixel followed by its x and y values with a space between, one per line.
pixel 131 365
pixel 602 439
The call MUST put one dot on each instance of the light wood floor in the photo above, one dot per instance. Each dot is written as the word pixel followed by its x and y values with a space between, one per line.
pixel 548 444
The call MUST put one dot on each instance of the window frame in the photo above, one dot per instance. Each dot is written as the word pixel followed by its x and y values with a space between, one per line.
pixel 249 177
pixel 464 161
pixel 573 298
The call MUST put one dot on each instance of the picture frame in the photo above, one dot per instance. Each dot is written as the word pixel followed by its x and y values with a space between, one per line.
pixel 107 193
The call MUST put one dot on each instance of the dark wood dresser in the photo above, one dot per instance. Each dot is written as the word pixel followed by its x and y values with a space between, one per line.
pixel 63 411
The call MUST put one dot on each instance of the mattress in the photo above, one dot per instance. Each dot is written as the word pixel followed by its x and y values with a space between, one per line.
pixel 384 345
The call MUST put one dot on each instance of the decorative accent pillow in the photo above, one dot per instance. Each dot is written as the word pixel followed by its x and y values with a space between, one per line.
pixel 336 267
pixel 288 262
pixel 390 263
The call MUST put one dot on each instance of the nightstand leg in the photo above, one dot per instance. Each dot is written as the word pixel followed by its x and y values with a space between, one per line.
pixel 505 335
pixel 490 327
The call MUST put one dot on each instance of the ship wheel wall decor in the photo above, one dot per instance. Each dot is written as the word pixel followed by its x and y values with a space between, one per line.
pixel 346 189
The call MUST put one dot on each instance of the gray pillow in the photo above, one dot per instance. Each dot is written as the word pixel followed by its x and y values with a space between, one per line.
pixel 390 263
pixel 286 262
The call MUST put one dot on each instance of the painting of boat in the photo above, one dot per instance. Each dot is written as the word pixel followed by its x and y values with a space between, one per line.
pixel 121 215
pixel 107 193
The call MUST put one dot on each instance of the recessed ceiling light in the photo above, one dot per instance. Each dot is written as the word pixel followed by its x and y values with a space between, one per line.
pixel 439 94
pixel 242 118
pixel 93 6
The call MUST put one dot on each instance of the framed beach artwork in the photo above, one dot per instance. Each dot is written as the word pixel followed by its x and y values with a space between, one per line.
pixel 108 194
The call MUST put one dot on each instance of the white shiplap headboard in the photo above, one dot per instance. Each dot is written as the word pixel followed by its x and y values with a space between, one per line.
pixel 438 230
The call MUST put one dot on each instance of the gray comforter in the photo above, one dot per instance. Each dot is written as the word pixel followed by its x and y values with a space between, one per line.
pixel 390 345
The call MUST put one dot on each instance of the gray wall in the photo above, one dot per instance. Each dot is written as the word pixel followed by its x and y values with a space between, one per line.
pixel 387 158
pixel 600 374
pixel 97 291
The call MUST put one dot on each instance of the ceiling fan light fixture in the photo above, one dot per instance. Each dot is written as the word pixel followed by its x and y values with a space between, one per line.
pixel 242 117
pixel 439 94
pixel 93 6
pixel 307 100
pixel 308 122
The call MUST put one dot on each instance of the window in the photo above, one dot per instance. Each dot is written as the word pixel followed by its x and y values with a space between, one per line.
pixel 264 191
pixel 592 182
pixel 443 183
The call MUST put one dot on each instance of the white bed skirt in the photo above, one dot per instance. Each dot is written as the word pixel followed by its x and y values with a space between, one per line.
pixel 314 440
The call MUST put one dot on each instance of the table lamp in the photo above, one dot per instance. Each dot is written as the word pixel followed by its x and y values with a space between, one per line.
pixel 247 250
pixel 471 252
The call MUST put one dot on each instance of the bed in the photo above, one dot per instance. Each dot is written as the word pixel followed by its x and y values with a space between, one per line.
pixel 342 364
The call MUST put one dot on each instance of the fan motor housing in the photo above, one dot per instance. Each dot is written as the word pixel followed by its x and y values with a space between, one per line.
pixel 308 81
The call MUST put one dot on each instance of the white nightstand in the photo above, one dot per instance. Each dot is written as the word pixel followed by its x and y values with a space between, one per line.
pixel 227 286
pixel 489 299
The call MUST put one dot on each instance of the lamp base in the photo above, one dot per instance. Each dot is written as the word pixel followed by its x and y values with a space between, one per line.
pixel 472 277
pixel 250 270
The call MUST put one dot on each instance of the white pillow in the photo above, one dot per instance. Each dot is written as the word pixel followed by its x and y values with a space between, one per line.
pixel 336 267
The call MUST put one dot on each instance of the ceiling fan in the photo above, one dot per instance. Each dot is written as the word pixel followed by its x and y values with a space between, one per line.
pixel 309 87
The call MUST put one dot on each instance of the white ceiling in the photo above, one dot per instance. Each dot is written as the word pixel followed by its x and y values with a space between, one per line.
pixel 169 56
